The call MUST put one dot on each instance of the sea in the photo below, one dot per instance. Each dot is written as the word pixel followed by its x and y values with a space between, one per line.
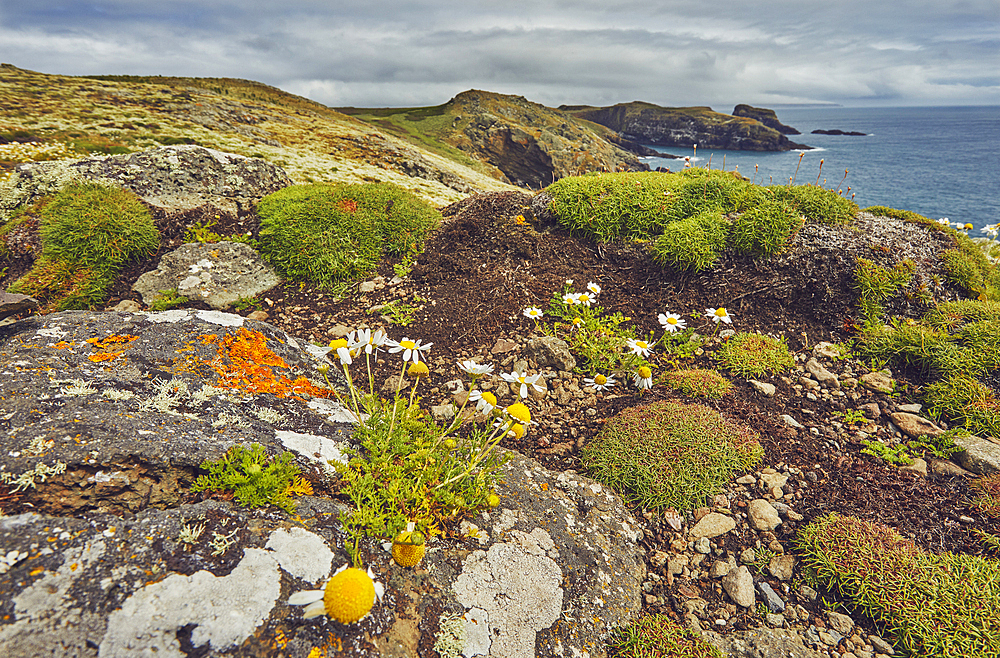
pixel 941 162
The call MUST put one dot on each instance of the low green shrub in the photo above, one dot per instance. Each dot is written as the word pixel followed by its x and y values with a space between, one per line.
pixel 876 285
pixel 764 229
pixel 698 383
pixel 929 604
pixel 817 204
pixel 254 479
pixel 331 233
pixel 668 454
pixel 752 355
pixel 659 636
pixel 693 243
pixel 88 233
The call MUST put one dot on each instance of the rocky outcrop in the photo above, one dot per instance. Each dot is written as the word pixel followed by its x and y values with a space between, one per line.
pixel 767 117
pixel 685 126
pixel 107 553
pixel 837 131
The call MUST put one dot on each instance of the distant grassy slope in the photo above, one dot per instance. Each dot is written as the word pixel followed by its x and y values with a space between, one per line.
pixel 529 143
pixel 116 114
pixel 684 126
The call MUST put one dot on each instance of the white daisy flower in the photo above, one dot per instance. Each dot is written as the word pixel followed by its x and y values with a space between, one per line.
pixel 643 378
pixel 600 382
pixel 672 322
pixel 586 298
pixel 533 313
pixel 370 341
pixel 348 596
pixel 718 315
pixel 639 347
pixel 411 349
pixel 475 369
pixel 594 288
pixel 524 380
pixel 486 402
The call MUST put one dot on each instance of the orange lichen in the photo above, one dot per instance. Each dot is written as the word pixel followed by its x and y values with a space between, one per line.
pixel 110 347
pixel 245 362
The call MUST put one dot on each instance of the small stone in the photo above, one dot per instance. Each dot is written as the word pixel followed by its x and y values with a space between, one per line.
pixel 879 382
pixel 366 287
pixel 748 556
pixel 774 620
pixel 822 375
pixel 808 593
pixel 746 479
pixel 442 412
pixel 676 564
pixel 762 515
pixel 738 584
pixel 771 598
pixel 841 623
pixel 713 525
pixel 915 426
pixel 910 408
pixel 919 466
pixel 782 566
pixel 260 316
pixel 502 346
pixel 127 306
pixel 703 545
pixel 881 645
pixel 658 558
pixel 827 350
pixel 763 388
pixel 719 569
pixel 791 422
pixel 772 480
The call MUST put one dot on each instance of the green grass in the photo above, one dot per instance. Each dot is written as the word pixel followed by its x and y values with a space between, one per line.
pixel 929 604
pixel 690 218
pixel 753 355
pixel 331 233
pixel 954 344
pixel 659 636
pixel 88 233
pixel 876 285
pixel 668 454
pixel 698 383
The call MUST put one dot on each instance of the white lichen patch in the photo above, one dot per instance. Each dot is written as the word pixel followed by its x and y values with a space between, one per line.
pixel 189 534
pixel 334 411
pixel 117 394
pixel 220 543
pixel 171 316
pixel 50 594
pixel 226 610
pixel 38 446
pixel 519 592
pixel 301 553
pixel 76 387
pixel 221 318
pixel 27 479
pixel 309 445
pixel 269 416
pixel 228 418
pixel 50 332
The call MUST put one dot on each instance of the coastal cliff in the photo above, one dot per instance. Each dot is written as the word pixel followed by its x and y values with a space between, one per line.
pixel 765 116
pixel 684 126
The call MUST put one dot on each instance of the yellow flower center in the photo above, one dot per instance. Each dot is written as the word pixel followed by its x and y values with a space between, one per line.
pixel 489 397
pixel 418 369
pixel 671 320
pixel 721 312
pixel 600 380
pixel 338 343
pixel 407 344
pixel 493 500
pixel 520 412
pixel 517 430
pixel 408 548
pixel 349 596
pixel 645 372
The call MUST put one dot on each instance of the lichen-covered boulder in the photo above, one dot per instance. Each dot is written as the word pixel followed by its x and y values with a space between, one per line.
pixel 216 273
pixel 107 552
pixel 172 178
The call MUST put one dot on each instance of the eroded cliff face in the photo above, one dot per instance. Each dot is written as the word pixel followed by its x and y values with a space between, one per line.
pixel 767 117
pixel 530 143
pixel 685 126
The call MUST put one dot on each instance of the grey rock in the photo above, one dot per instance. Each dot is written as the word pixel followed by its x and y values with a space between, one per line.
pixel 946 468
pixel 827 350
pixel 551 351
pixel 978 455
pixel 13 304
pixel 771 598
pixel 762 515
pixel 879 382
pixel 738 584
pixel 117 575
pixel 763 388
pixel 910 408
pixel 808 593
pixel 822 375
pixel 791 422
pixel 712 525
pixel 918 466
pixel 841 623
pixel 442 412
pixel 762 642
pixel 774 620
pixel 782 566
pixel 913 425
pixel 881 645
pixel 217 273
pixel 719 569
pixel 703 545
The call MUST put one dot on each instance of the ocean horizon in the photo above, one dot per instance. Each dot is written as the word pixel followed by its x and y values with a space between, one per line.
pixel 936 161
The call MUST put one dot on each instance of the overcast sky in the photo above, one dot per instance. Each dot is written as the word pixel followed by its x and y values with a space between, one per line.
pixel 370 53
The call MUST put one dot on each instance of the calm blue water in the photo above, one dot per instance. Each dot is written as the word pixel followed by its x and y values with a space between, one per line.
pixel 937 161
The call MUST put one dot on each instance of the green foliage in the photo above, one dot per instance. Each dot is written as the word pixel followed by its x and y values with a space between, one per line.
pixel 764 229
pixel 247 303
pixel 816 204
pixel 987 498
pixel 752 355
pixel 167 299
pixel 202 232
pixel 896 454
pixel 930 604
pixel 397 312
pixel 254 480
pixel 698 383
pixel 667 454
pixel 877 285
pixel 967 267
pixel 851 416
pixel 88 233
pixel 956 342
pixel 692 243
pixel 656 636
pixel 331 233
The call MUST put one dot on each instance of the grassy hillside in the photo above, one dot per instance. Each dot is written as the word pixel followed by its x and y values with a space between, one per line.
pixel 48 116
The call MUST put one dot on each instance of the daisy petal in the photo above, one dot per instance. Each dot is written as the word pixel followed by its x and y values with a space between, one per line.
pixel 314 610
pixel 305 597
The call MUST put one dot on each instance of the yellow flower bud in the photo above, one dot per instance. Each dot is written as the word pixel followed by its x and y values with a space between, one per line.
pixel 337 343
pixel 418 370
pixel 519 412
pixel 493 500
pixel 408 548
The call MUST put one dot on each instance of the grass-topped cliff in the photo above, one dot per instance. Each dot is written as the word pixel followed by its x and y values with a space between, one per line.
pixel 684 126
pixel 120 114
pixel 528 143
